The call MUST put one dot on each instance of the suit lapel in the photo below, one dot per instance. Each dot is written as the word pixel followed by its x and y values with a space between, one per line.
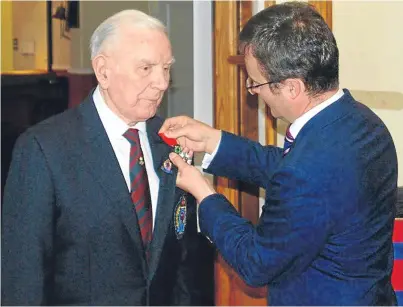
pixel 101 160
pixel 166 195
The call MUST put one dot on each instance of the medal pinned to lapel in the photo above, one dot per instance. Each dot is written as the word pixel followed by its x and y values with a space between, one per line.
pixel 167 166
pixel 177 148
pixel 180 217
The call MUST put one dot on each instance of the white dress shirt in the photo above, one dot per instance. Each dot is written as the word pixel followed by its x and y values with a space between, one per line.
pixel 295 127
pixel 300 122
pixel 115 128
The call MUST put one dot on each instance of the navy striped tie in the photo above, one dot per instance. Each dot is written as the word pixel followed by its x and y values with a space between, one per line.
pixel 288 141
pixel 140 190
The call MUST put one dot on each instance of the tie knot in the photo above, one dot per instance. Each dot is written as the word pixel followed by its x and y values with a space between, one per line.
pixel 288 140
pixel 288 135
pixel 132 135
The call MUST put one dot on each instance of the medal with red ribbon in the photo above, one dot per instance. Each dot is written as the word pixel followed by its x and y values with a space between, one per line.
pixel 177 148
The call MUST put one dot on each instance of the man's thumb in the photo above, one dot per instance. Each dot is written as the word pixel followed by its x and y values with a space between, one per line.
pixel 176 160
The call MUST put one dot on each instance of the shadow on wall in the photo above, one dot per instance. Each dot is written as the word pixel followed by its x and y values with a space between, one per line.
pixel 379 99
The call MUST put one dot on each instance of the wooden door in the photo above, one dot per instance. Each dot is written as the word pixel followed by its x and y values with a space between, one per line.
pixel 236 111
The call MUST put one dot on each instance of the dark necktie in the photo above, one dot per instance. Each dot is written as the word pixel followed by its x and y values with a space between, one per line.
pixel 140 190
pixel 288 141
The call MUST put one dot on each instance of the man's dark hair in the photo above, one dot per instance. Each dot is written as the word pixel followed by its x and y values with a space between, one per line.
pixel 292 40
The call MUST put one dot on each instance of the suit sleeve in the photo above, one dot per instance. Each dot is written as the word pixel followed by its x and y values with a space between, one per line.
pixel 242 159
pixel 195 281
pixel 27 224
pixel 291 230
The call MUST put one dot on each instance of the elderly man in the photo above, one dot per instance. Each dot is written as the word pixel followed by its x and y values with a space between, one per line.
pixel 325 233
pixel 91 213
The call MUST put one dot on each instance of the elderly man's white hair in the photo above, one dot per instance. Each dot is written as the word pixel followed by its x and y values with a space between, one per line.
pixel 109 28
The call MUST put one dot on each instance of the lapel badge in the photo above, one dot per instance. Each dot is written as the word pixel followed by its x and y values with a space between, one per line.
pixel 180 217
pixel 167 166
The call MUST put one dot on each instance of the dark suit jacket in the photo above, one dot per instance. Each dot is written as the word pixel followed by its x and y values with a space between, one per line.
pixel 70 235
pixel 325 233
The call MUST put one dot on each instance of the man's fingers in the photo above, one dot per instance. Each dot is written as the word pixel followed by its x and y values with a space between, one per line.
pixel 175 132
pixel 172 123
pixel 177 160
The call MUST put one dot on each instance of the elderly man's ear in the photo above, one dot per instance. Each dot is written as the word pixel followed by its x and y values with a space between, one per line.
pixel 99 64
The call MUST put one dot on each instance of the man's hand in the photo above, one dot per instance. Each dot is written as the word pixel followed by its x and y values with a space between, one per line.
pixel 190 179
pixel 191 134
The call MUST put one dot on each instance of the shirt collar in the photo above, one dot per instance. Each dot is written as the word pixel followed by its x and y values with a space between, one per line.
pixel 297 125
pixel 115 127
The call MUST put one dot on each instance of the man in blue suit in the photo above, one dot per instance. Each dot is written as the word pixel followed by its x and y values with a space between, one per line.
pixel 325 233
pixel 91 212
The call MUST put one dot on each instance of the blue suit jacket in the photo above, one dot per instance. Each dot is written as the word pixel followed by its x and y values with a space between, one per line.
pixel 69 231
pixel 325 233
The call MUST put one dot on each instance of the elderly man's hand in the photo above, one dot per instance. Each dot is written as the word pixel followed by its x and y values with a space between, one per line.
pixel 190 179
pixel 191 134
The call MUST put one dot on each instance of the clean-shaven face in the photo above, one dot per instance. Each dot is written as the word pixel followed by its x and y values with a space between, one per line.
pixel 275 101
pixel 139 70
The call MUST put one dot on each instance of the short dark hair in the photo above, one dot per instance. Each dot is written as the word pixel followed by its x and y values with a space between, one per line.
pixel 292 40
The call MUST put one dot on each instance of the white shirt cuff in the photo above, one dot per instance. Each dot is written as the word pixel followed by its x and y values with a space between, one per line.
pixel 209 157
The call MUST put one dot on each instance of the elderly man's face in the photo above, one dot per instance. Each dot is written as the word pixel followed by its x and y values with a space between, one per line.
pixel 139 72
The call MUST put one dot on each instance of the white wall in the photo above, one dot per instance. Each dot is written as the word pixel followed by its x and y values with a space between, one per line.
pixel 370 40
pixel 203 61
pixel 203 96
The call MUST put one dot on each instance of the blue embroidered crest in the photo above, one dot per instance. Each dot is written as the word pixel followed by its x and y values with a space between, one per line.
pixel 180 217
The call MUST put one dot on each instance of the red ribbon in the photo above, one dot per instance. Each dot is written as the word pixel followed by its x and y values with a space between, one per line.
pixel 170 141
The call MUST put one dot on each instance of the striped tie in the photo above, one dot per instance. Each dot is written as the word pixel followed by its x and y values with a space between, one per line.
pixel 288 141
pixel 140 190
